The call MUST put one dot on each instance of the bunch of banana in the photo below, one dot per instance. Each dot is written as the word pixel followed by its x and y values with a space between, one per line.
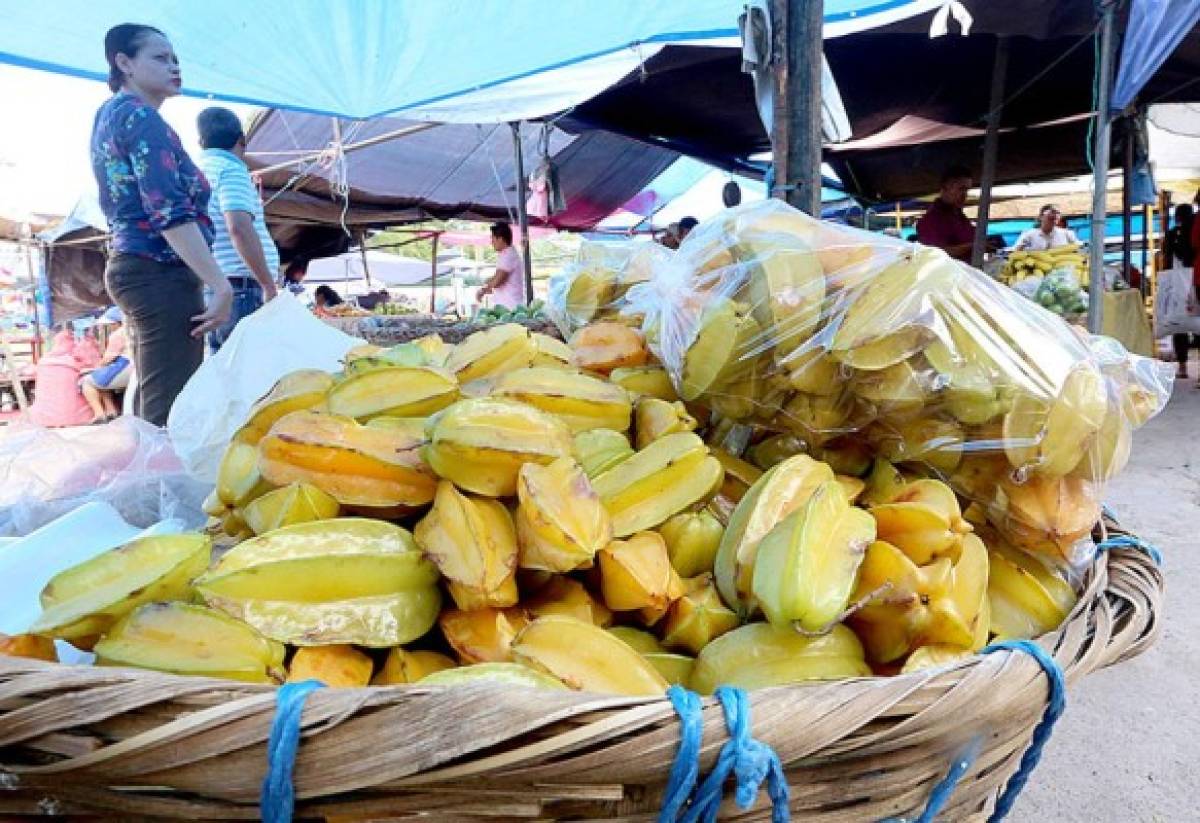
pixel 1022 264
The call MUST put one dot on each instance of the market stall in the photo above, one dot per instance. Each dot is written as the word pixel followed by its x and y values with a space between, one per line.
pixel 794 519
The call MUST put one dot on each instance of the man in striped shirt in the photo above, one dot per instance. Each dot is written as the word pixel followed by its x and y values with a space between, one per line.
pixel 242 245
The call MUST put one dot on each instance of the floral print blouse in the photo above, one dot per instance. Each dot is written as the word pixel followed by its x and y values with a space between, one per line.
pixel 147 181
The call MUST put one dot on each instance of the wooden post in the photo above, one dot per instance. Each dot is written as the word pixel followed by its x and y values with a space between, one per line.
pixel 899 221
pixel 796 134
pixel 991 146
pixel 34 279
pixel 1100 164
pixel 522 216
pixel 433 278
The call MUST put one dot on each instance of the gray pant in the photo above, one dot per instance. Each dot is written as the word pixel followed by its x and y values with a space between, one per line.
pixel 159 301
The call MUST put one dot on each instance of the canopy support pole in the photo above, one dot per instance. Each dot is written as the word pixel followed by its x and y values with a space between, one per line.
pixel 362 250
pixel 362 144
pixel 1127 202
pixel 1100 165
pixel 1147 246
pixel 991 147
pixel 433 278
pixel 796 134
pixel 522 215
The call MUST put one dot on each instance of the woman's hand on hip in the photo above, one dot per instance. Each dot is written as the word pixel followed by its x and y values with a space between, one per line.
pixel 216 313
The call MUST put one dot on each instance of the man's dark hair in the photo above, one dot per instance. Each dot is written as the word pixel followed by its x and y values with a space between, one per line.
pixel 1046 208
pixel 688 223
pixel 126 39
pixel 219 128
pixel 955 172
pixel 503 231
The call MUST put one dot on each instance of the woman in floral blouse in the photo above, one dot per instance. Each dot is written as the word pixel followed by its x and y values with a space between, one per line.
pixel 156 202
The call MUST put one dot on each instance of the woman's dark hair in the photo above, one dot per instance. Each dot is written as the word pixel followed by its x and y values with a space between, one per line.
pixel 1184 213
pixel 331 297
pixel 503 231
pixel 126 39
pixel 295 270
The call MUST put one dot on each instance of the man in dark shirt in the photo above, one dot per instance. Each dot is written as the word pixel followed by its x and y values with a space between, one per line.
pixel 944 224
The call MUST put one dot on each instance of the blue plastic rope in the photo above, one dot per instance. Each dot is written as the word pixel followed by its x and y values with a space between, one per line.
pixel 1128 541
pixel 1058 702
pixel 278 794
pixel 1054 709
pixel 686 768
pixel 942 791
pixel 750 762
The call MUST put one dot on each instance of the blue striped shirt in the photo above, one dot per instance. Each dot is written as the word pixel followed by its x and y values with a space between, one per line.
pixel 233 190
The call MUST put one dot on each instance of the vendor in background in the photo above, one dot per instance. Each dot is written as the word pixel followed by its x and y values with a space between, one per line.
pixel 1048 234
pixel 507 285
pixel 1178 251
pixel 944 223
pixel 241 243
pixel 111 374
pixel 325 298
pixel 156 202
pixel 293 276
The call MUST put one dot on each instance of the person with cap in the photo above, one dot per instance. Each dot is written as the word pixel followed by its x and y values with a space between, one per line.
pixel 685 227
pixel 100 385
pixel 1047 234
pixel 241 243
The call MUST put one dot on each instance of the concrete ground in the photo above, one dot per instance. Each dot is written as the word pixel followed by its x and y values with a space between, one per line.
pixel 1128 747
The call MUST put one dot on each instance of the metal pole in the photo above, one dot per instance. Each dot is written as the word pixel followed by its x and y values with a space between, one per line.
pixel 308 157
pixel 362 250
pixel 796 135
pixel 991 147
pixel 433 278
pixel 1127 202
pixel 1147 245
pixel 1099 196
pixel 522 216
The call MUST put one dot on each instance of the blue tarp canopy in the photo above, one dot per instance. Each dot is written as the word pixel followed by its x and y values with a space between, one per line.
pixel 449 61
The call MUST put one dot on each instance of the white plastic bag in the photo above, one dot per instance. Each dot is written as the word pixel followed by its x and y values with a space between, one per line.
pixel 128 464
pixel 1173 304
pixel 281 337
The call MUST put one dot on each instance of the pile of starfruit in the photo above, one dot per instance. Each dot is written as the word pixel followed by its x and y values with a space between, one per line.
pixel 807 464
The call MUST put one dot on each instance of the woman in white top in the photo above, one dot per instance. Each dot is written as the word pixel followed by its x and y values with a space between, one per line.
pixel 1047 235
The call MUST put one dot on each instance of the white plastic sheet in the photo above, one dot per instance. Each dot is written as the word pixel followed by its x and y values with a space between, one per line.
pixel 281 337
pixel 28 563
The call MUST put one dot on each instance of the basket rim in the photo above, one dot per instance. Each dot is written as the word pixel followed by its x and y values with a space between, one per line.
pixel 554 744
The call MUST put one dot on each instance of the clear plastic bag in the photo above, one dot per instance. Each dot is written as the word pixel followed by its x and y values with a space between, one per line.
pixel 863 346
pixel 1061 293
pixel 595 285
pixel 128 464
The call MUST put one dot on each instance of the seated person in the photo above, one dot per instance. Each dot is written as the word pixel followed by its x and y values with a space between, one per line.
pixel 100 385
pixel 56 397
pixel 325 299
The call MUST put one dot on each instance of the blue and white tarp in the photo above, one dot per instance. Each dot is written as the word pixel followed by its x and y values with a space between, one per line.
pixel 447 61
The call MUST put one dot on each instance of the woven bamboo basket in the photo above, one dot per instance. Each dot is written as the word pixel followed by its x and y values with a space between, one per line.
pixel 131 744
